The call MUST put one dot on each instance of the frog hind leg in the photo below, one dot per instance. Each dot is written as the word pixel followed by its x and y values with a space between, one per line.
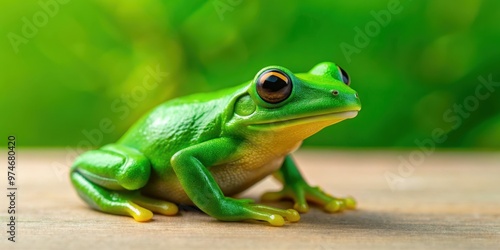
pixel 109 179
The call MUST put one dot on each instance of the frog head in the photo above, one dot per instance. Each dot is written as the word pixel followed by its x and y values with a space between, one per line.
pixel 277 100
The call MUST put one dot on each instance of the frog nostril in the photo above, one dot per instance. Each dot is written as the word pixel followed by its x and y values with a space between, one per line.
pixel 356 95
pixel 335 92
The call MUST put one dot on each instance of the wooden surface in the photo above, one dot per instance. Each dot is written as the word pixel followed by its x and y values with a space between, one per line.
pixel 451 200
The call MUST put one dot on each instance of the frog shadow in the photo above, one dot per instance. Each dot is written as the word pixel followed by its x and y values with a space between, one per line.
pixel 352 220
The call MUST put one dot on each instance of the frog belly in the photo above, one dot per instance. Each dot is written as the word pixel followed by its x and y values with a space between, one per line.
pixel 232 178
pixel 256 161
pixel 238 176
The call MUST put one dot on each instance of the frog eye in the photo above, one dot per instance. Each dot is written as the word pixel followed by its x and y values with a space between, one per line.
pixel 274 86
pixel 345 76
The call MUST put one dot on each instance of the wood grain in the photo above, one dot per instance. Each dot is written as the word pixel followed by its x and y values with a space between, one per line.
pixel 450 200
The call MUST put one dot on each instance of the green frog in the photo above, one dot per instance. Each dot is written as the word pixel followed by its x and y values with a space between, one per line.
pixel 205 148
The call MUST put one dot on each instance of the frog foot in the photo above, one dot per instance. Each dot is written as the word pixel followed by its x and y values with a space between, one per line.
pixel 301 193
pixel 245 209
pixel 275 216
pixel 134 204
pixel 130 203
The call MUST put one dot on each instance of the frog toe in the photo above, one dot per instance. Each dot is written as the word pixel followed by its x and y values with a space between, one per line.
pixel 300 202
pixel 350 203
pixel 157 206
pixel 334 206
pixel 273 196
pixel 137 212
pixel 302 207
pixel 340 204
pixel 291 215
pixel 273 219
pixel 276 220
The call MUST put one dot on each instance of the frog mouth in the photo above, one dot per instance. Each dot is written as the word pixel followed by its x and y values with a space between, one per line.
pixel 328 119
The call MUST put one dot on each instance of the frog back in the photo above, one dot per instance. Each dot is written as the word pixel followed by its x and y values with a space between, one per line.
pixel 177 124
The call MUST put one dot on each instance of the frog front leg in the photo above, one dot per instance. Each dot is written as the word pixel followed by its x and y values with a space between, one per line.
pixel 109 179
pixel 297 189
pixel 191 167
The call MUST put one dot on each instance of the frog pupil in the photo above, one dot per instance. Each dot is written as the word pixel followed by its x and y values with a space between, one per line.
pixel 273 83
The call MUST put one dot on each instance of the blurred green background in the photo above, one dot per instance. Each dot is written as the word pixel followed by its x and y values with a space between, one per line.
pixel 68 66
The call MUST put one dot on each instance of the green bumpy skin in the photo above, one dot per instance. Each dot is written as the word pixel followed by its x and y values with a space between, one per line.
pixel 204 148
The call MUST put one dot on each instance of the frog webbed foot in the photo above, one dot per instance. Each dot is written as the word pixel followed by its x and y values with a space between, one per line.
pixel 301 193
